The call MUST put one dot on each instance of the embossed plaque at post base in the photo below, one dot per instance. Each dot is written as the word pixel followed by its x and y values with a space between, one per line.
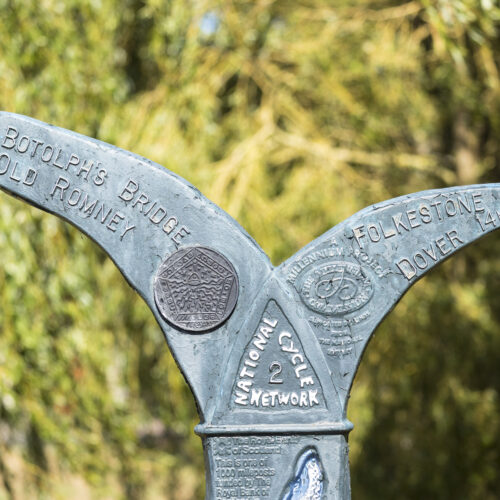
pixel 270 353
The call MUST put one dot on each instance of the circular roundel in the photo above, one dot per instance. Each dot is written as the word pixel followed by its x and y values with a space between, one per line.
pixel 336 288
pixel 196 289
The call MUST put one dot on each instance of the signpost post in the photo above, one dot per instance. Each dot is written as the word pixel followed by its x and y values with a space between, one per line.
pixel 270 353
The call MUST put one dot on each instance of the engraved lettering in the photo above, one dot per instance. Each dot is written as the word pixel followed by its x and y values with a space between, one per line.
pixel 282 336
pixel 275 369
pixel 74 197
pixel 156 213
pixel 441 244
pixel 261 388
pixel 183 231
pixel 358 234
pixel 273 395
pixel 477 201
pixel 270 322
pixel 431 252
pixel 129 190
pixel 58 157
pixel 409 266
pixel 265 331
pixel 489 220
pixel 412 218
pixel 480 223
pixel 451 208
pixel 155 218
pixel 373 233
pixel 398 223
pixel 311 258
pixel 73 160
pixel 37 143
pixel 464 204
pixel 299 369
pixel 419 260
pixel 260 341
pixel 283 398
pixel 104 216
pixel 100 177
pixel 255 398
pixel 241 398
pixel 85 168
pixel 12 176
pixel 453 236
pixel 47 153
pixel 147 212
pixel 254 355
pixel 22 148
pixel 425 214
pixel 127 229
pixel 436 205
pixel 141 200
pixel 10 137
pixel 313 397
pixel 289 348
pixel 303 398
pixel 30 177
pixel 261 398
pixel 247 373
pixel 87 208
pixel 387 234
pixel 307 381
pixel 406 267
pixel 61 184
pixel 170 225
pixel 245 385
pixel 3 170
pixel 115 220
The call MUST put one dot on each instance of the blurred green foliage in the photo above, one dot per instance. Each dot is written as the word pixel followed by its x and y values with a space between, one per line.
pixel 291 115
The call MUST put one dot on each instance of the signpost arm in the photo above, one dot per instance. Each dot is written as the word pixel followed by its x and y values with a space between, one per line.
pixel 269 353
pixel 374 257
pixel 139 213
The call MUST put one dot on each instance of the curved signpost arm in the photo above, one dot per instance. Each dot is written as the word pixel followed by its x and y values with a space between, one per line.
pixel 351 277
pixel 138 212
pixel 269 353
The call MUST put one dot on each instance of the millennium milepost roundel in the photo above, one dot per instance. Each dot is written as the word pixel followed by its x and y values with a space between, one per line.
pixel 336 288
pixel 196 289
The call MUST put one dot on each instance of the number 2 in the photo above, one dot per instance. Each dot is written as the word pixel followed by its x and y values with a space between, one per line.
pixel 275 369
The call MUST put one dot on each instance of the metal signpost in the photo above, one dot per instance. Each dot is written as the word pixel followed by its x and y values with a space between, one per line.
pixel 269 353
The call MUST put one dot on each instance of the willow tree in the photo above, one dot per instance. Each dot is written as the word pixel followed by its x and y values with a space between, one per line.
pixel 291 115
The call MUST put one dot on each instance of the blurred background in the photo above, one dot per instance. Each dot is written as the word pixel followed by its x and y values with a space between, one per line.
pixel 290 115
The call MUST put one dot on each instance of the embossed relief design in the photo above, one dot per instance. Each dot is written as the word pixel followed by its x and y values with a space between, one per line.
pixel 307 483
pixel 196 288
pixel 343 289
pixel 80 179
pixel 274 372
pixel 247 466
pixel 337 285
pixel 336 288
pixel 425 230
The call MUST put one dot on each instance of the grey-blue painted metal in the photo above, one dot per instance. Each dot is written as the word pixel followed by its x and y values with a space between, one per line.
pixel 269 353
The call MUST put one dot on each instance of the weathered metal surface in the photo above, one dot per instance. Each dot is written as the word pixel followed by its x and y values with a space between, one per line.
pixel 196 289
pixel 270 353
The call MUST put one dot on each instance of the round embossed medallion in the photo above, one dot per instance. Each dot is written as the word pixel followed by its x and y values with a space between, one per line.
pixel 196 289
pixel 336 288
